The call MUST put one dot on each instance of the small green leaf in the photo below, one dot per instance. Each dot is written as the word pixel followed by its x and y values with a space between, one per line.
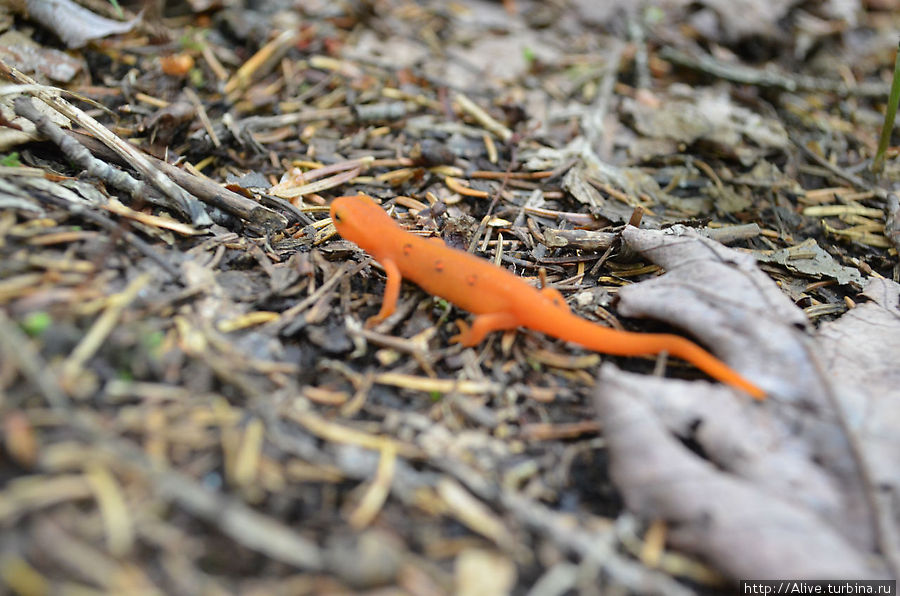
pixel 153 341
pixel 435 395
pixel 35 323
pixel 191 40
pixel 196 78
pixel 11 160
pixel 529 55
pixel 654 15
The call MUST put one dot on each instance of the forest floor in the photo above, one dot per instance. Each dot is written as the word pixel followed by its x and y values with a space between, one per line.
pixel 191 402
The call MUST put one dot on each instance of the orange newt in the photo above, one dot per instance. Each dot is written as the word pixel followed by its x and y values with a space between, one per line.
pixel 499 299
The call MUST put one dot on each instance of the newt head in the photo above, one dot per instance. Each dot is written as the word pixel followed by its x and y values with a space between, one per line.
pixel 359 219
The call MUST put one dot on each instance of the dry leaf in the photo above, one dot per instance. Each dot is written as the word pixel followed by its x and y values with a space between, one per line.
pixel 26 132
pixel 722 297
pixel 811 259
pixel 74 24
pixel 732 522
pixel 785 494
pixel 31 58
pixel 712 117
pixel 575 182
pixel 860 351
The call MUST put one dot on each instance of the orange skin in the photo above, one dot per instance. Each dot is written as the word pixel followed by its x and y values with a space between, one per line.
pixel 499 299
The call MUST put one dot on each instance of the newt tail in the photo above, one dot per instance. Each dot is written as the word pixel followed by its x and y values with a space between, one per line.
pixel 628 343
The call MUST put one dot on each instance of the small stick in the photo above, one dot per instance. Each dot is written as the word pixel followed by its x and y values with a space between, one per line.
pixel 80 155
pixel 130 154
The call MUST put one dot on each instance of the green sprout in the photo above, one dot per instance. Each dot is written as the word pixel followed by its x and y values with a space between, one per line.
pixel 115 4
pixel 890 113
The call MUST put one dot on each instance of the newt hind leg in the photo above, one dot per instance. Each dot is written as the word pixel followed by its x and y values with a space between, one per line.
pixel 481 326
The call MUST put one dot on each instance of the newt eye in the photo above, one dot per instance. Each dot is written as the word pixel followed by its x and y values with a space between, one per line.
pixel 338 217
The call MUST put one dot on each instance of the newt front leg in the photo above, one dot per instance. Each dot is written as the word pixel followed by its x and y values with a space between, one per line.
pixel 391 293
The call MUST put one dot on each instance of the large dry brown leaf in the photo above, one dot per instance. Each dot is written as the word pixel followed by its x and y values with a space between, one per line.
pixel 722 297
pixel 733 522
pixel 860 351
pixel 791 489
